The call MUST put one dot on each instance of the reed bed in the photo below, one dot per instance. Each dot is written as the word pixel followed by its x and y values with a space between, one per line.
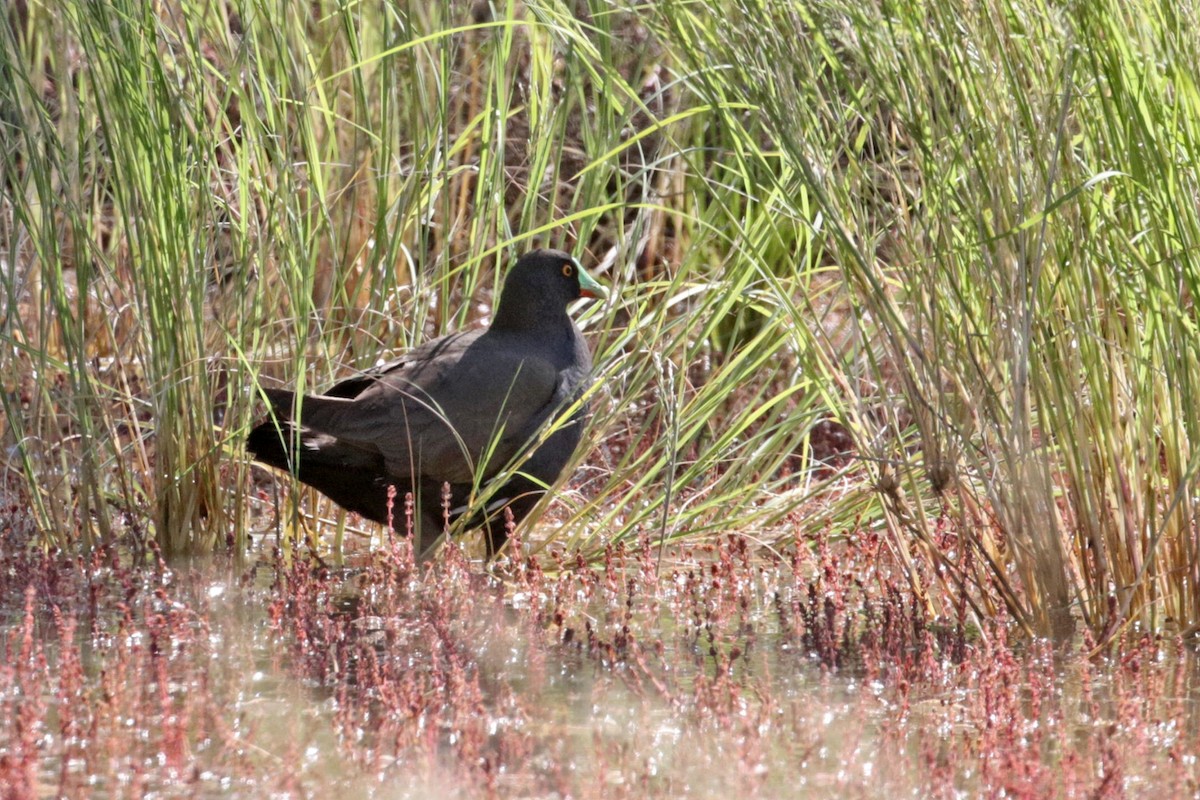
pixel 915 269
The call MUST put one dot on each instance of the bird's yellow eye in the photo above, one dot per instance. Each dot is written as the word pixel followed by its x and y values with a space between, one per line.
pixel 568 270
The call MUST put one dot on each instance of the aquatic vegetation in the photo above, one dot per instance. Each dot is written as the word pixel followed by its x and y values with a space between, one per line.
pixel 716 671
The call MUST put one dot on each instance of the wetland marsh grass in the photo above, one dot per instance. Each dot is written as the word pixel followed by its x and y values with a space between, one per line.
pixel 964 238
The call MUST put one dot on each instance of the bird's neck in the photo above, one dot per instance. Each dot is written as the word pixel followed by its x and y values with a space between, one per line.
pixel 516 317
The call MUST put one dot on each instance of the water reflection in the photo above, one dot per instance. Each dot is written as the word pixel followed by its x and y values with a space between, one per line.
pixel 583 683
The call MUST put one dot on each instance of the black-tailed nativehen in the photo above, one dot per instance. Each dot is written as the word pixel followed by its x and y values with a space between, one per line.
pixel 457 410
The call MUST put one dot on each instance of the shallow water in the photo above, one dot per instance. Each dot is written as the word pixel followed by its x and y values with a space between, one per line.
pixel 605 681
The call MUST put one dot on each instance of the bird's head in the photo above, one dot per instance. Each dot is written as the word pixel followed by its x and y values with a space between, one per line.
pixel 542 284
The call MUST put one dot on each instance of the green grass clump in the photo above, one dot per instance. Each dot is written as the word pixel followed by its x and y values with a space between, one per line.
pixel 965 234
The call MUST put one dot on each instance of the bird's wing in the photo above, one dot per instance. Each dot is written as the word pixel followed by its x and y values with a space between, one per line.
pixel 454 408
pixel 443 349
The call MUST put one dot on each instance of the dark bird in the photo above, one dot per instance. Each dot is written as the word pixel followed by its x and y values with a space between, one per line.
pixel 458 410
